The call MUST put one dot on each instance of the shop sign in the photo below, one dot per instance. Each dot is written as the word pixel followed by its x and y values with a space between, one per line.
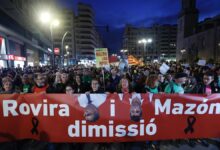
pixel 18 58
pixel 56 51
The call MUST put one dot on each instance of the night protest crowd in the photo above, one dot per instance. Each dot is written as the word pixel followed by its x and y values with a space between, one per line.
pixel 179 78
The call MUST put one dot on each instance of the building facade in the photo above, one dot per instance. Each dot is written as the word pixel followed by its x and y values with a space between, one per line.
pixel 197 40
pixel 22 42
pixel 163 44
pixel 86 36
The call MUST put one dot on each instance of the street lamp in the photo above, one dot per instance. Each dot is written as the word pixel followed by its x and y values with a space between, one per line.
pixel 124 51
pixel 114 55
pixel 67 53
pixel 62 47
pixel 163 55
pixel 66 47
pixel 145 42
pixel 45 18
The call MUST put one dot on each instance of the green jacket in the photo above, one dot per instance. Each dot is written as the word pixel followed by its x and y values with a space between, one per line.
pixel 172 87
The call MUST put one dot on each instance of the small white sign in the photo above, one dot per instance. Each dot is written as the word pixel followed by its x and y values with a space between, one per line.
pixel 201 62
pixel 164 68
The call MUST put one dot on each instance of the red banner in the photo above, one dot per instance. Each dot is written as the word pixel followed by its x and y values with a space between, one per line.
pixel 108 118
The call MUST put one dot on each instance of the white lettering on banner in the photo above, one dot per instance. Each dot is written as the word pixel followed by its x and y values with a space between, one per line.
pixel 160 108
pixel 186 109
pixel 11 107
pixel 189 110
pixel 111 130
pixel 132 130
pixel 98 129
pixel 112 108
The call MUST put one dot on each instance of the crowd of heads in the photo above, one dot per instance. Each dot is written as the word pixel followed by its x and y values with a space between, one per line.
pixel 179 78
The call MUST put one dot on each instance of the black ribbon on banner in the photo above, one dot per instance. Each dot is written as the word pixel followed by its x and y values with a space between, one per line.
pixel 35 123
pixel 191 120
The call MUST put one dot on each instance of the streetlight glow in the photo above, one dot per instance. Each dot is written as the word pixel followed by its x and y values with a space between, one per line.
pixel 67 46
pixel 123 50
pixel 45 17
pixel 144 41
pixel 149 40
pixel 56 23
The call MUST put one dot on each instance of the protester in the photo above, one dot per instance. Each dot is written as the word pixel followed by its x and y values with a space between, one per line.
pixel 124 86
pixel 162 82
pixel 62 81
pixel 207 86
pixel 176 85
pixel 140 79
pixel 190 84
pixel 69 89
pixel 95 87
pixel 40 83
pixel 152 84
pixel 78 85
pixel 114 81
pixel 8 87
pixel 26 85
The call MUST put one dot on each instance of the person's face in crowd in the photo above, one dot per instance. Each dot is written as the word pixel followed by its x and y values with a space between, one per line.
pixel 25 79
pixel 124 83
pixel 91 113
pixel 41 81
pixel 58 77
pixel 64 77
pixel 113 72
pixel 69 90
pixel 207 80
pixel 181 81
pixel 156 83
pixel 161 78
pixel 30 78
pixel 95 85
pixel 78 79
pixel 7 85
pixel 169 77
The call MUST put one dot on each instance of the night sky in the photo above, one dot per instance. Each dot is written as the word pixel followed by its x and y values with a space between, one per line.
pixel 117 13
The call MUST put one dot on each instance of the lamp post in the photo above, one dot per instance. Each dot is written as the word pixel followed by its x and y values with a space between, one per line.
pixel 67 53
pixel 183 51
pixel 62 48
pixel 163 56
pixel 145 42
pixel 45 17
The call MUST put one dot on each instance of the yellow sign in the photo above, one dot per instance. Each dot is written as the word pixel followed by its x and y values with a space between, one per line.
pixel 101 57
